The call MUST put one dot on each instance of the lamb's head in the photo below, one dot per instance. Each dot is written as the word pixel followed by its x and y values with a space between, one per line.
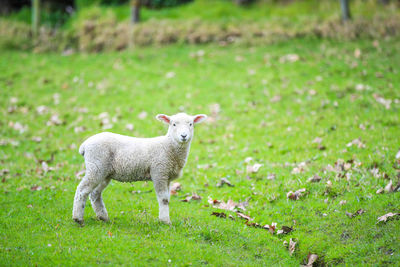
pixel 181 126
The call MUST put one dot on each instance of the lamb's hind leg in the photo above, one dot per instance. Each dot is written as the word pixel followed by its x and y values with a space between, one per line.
pixel 84 188
pixel 97 201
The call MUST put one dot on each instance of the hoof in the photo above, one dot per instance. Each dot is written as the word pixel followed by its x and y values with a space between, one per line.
pixel 80 222
pixel 166 221
pixel 103 218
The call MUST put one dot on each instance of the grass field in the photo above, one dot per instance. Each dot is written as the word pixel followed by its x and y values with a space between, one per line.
pixel 269 103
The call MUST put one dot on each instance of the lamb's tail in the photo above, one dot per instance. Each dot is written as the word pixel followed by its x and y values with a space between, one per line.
pixel 82 149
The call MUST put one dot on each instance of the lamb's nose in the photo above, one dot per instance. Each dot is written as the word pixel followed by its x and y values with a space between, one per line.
pixel 183 136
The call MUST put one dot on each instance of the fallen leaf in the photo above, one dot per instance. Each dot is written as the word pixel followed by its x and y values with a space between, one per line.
pixel 256 225
pixel 248 159
pixel 36 188
pixel 357 53
pixel 219 214
pixel 380 191
pixel 271 228
pixel 54 120
pixel 295 195
pixel 299 168
pixel 18 127
pixel 286 229
pixel 42 110
pixel 79 129
pixel 224 181
pixel 317 140
pixel 129 126
pixel 170 75
pixel 244 204
pixel 289 58
pixel 314 179
pixel 292 246
pixel 142 115
pixel 271 176
pixel 4 172
pixel 311 258
pixel 253 168
pixel 387 216
pixel 37 139
pixel 356 142
pixel 358 212
pixel 389 187
pixel 275 98
pixel 194 196
pixel 244 216
pixel 229 205
pixel 80 174
pixel 383 101
pixel 45 166
pixel 175 187
pixel 109 234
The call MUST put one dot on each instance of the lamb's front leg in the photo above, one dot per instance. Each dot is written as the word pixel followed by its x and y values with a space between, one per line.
pixel 162 190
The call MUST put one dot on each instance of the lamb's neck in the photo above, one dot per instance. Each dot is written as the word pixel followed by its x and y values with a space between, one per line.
pixel 179 152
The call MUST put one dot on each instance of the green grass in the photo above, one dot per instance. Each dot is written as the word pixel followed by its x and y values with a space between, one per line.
pixel 318 99
pixel 222 11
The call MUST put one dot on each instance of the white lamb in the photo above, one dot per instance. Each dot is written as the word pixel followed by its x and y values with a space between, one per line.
pixel 127 159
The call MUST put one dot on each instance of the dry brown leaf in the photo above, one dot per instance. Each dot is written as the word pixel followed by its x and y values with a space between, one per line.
pixel 244 216
pixel 289 58
pixel 380 191
pixel 18 127
pixel 271 228
pixel 170 75
pixel 175 187
pixel 317 140
pixel 42 110
pixel 54 120
pixel 80 174
pixel 314 179
pixel 389 187
pixel 194 196
pixel 36 188
pixel 219 214
pixel 142 115
pixel 224 181
pixel 295 195
pixel 387 216
pixel 253 168
pixel 356 142
pixel 358 212
pixel 311 258
pixel 357 53
pixel 292 246
pixel 383 101
pixel 129 126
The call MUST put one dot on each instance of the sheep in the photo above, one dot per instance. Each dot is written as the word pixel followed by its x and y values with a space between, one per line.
pixel 127 159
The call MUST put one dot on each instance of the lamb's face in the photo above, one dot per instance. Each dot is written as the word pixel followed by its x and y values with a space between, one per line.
pixel 181 126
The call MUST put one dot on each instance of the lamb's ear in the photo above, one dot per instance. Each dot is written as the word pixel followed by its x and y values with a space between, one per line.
pixel 164 118
pixel 199 118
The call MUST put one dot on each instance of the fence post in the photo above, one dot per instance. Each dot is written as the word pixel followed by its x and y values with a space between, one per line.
pixel 344 4
pixel 35 16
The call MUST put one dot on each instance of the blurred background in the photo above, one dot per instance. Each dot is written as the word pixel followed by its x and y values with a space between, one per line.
pixel 110 25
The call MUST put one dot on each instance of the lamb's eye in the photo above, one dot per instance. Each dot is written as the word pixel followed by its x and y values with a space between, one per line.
pixel 190 124
pixel 174 124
